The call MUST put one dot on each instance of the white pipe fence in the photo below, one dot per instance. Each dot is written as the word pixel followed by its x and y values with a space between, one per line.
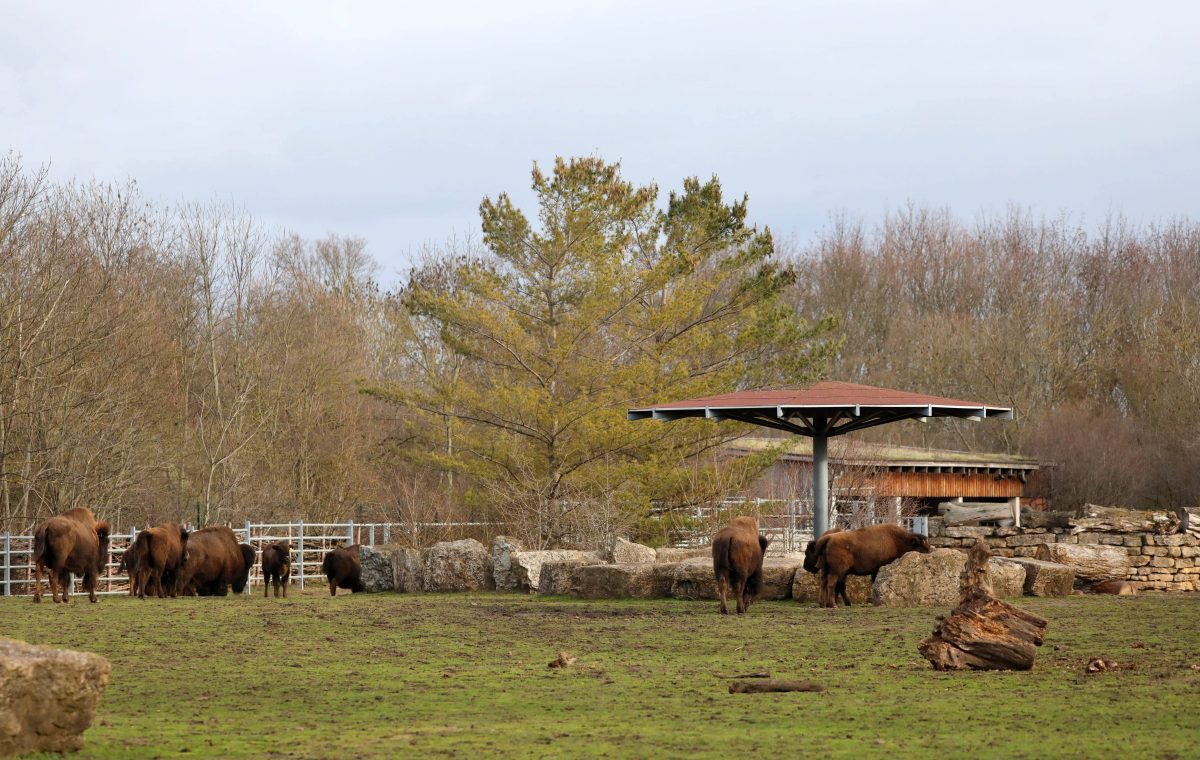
pixel 310 542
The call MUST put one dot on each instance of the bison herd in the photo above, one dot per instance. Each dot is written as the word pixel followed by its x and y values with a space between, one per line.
pixel 738 558
pixel 168 560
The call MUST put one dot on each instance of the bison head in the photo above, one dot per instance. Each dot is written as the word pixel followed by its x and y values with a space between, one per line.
pixel 919 543
pixel 102 531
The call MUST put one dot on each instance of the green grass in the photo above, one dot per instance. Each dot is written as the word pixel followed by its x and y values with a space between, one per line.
pixel 389 675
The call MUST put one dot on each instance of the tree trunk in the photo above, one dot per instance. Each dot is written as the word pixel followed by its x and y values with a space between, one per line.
pixel 1091 562
pixel 983 633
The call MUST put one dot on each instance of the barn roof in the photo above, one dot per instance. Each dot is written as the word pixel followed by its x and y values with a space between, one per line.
pixel 826 408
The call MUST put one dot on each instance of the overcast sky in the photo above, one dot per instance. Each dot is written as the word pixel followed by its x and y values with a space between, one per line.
pixel 392 121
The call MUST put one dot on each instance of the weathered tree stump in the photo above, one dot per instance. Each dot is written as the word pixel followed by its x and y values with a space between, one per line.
pixel 983 633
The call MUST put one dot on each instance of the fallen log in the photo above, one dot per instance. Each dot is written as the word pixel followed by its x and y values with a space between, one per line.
pixel 963 513
pixel 772 685
pixel 1091 562
pixel 1097 519
pixel 983 633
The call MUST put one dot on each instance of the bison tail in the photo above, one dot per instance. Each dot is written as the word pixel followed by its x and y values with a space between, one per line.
pixel 103 529
pixel 43 551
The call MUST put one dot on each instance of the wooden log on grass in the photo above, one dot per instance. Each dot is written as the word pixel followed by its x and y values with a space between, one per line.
pixel 772 685
pixel 983 633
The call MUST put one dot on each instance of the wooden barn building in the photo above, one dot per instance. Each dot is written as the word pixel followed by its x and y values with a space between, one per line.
pixel 889 478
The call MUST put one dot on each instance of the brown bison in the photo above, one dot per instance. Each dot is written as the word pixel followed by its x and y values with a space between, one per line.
pixel 860 552
pixel 73 542
pixel 215 563
pixel 240 581
pixel 342 569
pixel 158 554
pixel 276 567
pixel 737 562
pixel 128 565
pixel 812 553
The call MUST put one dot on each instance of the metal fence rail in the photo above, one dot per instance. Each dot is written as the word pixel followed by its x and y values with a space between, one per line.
pixel 310 542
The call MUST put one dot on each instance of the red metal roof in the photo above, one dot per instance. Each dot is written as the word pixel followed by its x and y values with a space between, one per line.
pixel 823 394
pixel 822 409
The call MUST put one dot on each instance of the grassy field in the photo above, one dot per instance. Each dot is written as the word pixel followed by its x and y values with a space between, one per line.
pixel 389 675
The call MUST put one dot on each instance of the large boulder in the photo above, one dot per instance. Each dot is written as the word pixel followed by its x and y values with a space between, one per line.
pixel 679 555
pixel 622 552
pixel 503 547
pixel 408 569
pixel 48 697
pixel 629 581
pixel 695 579
pixel 527 566
pixel 1091 562
pixel 806 587
pixel 464 565
pixel 557 577
pixel 375 568
pixel 1045 578
pixel 932 580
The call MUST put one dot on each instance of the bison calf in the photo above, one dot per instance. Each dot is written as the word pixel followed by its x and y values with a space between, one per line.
pixel 860 552
pixel 276 567
pixel 737 562
pixel 342 569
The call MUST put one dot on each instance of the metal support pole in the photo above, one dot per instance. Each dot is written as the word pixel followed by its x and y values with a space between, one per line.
pixel 820 485
pixel 7 564
pixel 350 533
pixel 300 553
pixel 372 534
pixel 387 533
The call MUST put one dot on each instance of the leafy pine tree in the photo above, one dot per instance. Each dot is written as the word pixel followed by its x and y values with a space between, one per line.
pixel 605 303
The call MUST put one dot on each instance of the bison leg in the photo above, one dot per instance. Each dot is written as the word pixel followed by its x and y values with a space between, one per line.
pixel 829 583
pixel 89 583
pixel 333 588
pixel 37 581
pixel 841 590
pixel 283 581
pixel 753 586
pixel 723 592
pixel 64 585
pixel 266 584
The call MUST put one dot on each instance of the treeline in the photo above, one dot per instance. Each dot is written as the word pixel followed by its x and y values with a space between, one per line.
pixel 185 363
pixel 1091 334
pixel 180 363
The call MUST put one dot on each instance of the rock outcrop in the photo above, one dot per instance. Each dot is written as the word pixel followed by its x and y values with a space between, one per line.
pixel 695 579
pixel 627 581
pixel 557 577
pixel 375 568
pixel 932 580
pixel 1045 578
pixel 48 697
pixel 622 552
pixel 464 565
pixel 806 587
pixel 503 547
pixel 527 566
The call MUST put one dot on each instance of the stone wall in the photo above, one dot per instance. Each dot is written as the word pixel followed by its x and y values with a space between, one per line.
pixel 1156 562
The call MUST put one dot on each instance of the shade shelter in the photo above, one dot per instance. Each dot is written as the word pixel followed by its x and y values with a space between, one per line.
pixel 821 411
